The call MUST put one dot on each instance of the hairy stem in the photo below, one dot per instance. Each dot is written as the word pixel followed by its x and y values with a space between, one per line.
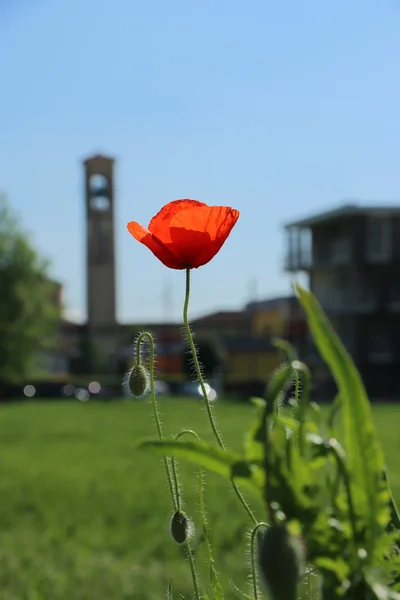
pixel 202 507
pixel 253 554
pixel 204 392
pixel 193 570
pixel 149 338
pixel 170 468
pixel 178 495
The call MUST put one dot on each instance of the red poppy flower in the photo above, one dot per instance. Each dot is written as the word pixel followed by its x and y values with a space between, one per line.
pixel 186 233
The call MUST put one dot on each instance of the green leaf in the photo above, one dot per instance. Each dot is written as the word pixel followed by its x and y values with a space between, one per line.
pixel 395 518
pixel 238 593
pixel 258 402
pixel 364 455
pixel 336 565
pixel 287 423
pixel 223 462
pixel 288 350
pixel 169 591
pixel 255 437
pixel 326 445
pixel 333 412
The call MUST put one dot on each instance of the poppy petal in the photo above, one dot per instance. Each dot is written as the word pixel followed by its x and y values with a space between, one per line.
pixel 187 245
pixel 197 234
pixel 159 225
pixel 155 245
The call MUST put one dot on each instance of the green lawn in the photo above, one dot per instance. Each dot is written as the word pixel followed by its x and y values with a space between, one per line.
pixel 85 516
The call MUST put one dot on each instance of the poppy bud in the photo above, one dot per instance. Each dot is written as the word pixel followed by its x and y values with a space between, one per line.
pixel 182 527
pixel 138 380
pixel 281 560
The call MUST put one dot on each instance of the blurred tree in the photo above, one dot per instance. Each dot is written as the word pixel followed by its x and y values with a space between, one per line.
pixel 29 311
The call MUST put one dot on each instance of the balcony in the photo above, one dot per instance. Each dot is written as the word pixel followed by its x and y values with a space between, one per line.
pixel 309 263
pixel 306 255
pixel 339 304
pixel 295 262
pixel 299 246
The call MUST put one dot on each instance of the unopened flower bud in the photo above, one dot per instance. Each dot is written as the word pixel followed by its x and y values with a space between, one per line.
pixel 281 560
pixel 182 527
pixel 138 380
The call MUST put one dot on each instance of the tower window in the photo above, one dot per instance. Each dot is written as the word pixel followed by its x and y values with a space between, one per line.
pixel 98 184
pixel 100 203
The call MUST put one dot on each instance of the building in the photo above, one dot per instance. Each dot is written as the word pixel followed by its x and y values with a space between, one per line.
pixel 352 258
pixel 277 317
pixel 244 340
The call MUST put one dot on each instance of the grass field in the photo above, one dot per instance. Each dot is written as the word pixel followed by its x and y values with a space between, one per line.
pixel 84 515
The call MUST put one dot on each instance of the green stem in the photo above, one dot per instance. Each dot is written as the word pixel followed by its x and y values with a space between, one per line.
pixel 202 507
pixel 268 460
pixel 196 363
pixel 303 404
pixel 254 558
pixel 297 388
pixel 146 335
pixel 346 480
pixel 204 391
pixel 179 508
pixel 170 469
pixel 176 485
pixel 193 570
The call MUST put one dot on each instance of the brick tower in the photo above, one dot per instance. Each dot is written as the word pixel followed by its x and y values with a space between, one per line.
pixel 100 252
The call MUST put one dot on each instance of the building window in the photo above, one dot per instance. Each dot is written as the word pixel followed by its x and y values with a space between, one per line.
pixel 305 243
pixel 378 239
pixel 340 251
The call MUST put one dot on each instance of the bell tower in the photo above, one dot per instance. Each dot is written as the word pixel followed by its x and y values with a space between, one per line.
pixel 100 252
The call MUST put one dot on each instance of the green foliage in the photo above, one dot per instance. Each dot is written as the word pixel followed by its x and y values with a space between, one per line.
pixel 238 593
pixel 169 591
pixel 364 455
pixel 86 516
pixel 323 485
pixel 207 455
pixel 28 314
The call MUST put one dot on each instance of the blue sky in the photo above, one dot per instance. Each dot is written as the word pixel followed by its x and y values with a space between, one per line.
pixel 278 109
